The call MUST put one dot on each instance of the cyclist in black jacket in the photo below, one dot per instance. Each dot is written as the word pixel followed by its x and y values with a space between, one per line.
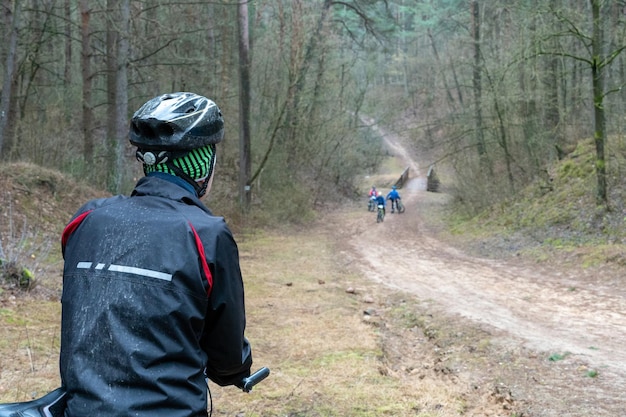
pixel 153 297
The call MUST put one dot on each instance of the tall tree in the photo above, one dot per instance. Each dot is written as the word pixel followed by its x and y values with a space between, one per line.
pixel 477 80
pixel 598 63
pixel 111 62
pixel 87 78
pixel 67 72
pixel 7 97
pixel 553 114
pixel 121 96
pixel 244 105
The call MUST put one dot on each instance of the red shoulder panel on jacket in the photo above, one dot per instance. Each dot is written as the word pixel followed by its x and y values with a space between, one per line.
pixel 205 265
pixel 73 225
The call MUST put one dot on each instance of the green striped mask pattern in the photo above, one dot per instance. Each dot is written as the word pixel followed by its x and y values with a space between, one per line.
pixel 196 164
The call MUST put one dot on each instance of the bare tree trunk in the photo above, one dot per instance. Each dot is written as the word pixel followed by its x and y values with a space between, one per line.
pixel 112 36
pixel 457 84
pixel 244 105
pixel 504 142
pixel 477 80
pixel 597 70
pixel 6 98
pixel 121 103
pixel 449 97
pixel 301 66
pixel 553 114
pixel 67 71
pixel 88 142
pixel 225 68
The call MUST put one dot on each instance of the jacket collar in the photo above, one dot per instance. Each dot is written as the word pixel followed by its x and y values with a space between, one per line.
pixel 168 186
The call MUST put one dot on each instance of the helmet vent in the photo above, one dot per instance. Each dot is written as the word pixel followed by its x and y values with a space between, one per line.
pixel 165 130
pixel 151 131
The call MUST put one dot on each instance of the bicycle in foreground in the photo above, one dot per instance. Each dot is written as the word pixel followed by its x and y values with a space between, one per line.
pixel 53 403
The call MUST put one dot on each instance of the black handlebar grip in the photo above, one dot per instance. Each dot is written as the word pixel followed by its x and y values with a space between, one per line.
pixel 255 378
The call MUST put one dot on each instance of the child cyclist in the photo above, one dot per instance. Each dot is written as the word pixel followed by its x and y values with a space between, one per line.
pixel 380 201
pixel 394 196
pixel 372 194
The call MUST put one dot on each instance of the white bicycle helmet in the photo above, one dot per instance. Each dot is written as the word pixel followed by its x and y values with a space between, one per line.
pixel 177 122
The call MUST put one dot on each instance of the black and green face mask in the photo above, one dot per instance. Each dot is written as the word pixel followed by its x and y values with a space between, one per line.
pixel 197 164
pixel 193 166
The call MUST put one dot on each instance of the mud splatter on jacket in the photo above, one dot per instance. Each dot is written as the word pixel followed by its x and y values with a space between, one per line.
pixel 152 299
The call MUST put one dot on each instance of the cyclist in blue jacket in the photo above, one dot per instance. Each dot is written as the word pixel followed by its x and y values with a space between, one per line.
pixel 380 201
pixel 394 196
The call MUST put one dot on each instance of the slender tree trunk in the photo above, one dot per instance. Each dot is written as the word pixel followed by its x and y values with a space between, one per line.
pixel 244 105
pixel 553 114
pixel 67 70
pixel 87 122
pixel 6 98
pixel 477 80
pixel 300 73
pixel 150 30
pixel 449 97
pixel 121 95
pixel 270 147
pixel 504 142
pixel 457 84
pixel 597 70
pixel 111 60
pixel 226 53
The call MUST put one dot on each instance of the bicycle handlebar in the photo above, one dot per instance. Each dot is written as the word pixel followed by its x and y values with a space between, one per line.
pixel 255 378
pixel 53 403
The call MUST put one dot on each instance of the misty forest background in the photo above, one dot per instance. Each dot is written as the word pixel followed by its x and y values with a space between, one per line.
pixel 496 91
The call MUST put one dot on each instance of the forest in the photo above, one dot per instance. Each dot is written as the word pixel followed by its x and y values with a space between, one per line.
pixel 498 90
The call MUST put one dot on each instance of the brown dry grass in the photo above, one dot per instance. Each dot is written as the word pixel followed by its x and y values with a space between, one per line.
pixel 324 359
pixel 29 347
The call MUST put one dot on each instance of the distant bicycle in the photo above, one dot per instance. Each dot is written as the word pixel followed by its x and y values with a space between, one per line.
pixel 396 205
pixel 380 217
pixel 371 204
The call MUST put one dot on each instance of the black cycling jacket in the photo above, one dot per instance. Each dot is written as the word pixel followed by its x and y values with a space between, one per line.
pixel 152 299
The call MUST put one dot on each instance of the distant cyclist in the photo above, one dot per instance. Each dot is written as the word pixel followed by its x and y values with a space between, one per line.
pixel 372 198
pixel 380 201
pixel 394 196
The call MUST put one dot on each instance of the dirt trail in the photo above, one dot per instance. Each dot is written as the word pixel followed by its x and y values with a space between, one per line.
pixel 543 309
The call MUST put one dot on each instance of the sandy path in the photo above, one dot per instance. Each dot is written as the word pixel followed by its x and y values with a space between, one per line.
pixel 546 310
